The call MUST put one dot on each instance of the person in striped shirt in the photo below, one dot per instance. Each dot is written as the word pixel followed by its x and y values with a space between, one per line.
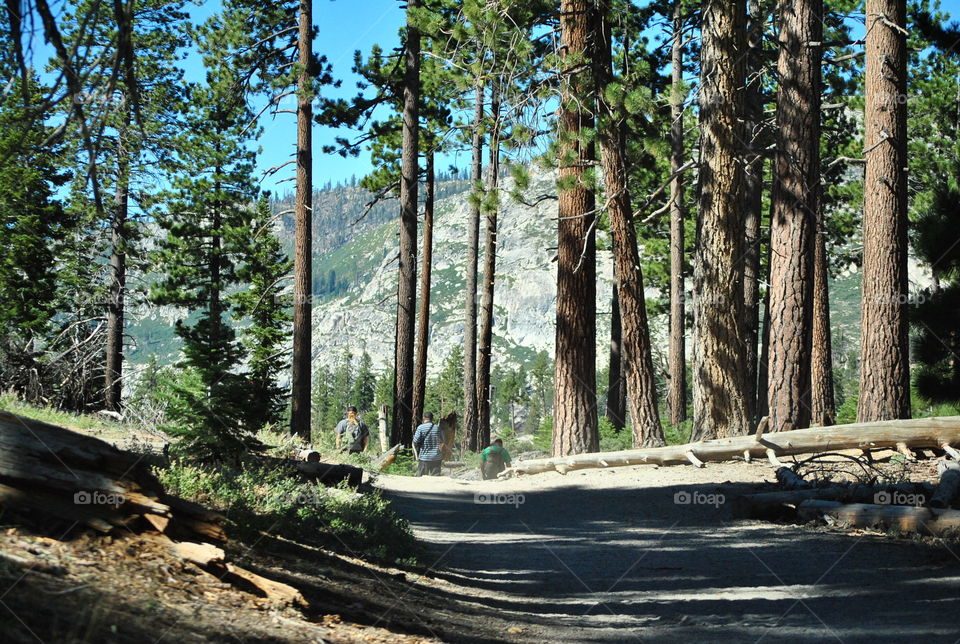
pixel 428 441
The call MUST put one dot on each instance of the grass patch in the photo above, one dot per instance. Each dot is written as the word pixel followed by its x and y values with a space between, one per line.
pixel 256 498
pixel 11 403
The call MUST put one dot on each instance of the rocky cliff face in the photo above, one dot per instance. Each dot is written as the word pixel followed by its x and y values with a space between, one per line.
pixel 525 292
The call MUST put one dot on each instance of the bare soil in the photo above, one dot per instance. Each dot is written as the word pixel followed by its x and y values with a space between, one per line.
pixel 659 554
pixel 626 554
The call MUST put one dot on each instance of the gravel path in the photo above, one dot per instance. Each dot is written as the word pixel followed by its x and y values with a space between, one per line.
pixel 615 555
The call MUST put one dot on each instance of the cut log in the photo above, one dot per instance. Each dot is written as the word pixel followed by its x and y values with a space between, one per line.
pixel 902 518
pixel 770 504
pixel 59 473
pixel 949 486
pixel 917 432
pixel 331 474
pixel 309 455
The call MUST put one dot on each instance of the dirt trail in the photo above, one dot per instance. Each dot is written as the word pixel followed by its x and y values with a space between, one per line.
pixel 597 556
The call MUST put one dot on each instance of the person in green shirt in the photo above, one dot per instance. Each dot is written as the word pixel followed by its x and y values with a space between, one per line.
pixel 494 460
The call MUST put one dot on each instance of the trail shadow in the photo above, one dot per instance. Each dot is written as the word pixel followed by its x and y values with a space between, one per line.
pixel 618 563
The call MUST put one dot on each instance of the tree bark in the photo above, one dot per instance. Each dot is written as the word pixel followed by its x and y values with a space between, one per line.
pixel 300 378
pixel 575 396
pixel 753 203
pixel 884 351
pixel 796 197
pixel 402 431
pixel 616 385
pixel 485 346
pixel 423 316
pixel 113 363
pixel 822 403
pixel 470 421
pixel 677 359
pixel 719 391
pixel 641 384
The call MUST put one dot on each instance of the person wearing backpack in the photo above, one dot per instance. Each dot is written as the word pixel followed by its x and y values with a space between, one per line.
pixel 428 443
pixel 354 430
pixel 494 460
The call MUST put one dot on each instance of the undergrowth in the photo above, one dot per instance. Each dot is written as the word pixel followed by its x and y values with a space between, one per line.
pixel 256 498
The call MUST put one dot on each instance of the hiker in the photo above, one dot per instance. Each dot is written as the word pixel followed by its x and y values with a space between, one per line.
pixel 494 460
pixel 428 443
pixel 355 430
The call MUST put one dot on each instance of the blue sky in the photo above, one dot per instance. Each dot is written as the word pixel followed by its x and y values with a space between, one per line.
pixel 344 26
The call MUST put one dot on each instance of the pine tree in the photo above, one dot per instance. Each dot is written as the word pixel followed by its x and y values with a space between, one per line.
pixel 884 359
pixel 574 407
pixel 207 222
pixel 263 269
pixel 719 393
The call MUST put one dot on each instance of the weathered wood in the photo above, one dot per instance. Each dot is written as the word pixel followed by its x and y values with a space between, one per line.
pixel 902 518
pixel 309 455
pixel 949 486
pixel 272 590
pixel 768 504
pixel 915 433
pixel 790 480
pixel 202 554
pixel 382 427
pixel 60 473
pixel 388 457
pixel 331 474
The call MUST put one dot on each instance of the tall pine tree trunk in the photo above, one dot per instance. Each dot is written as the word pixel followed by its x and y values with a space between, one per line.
pixel 303 234
pixel 796 195
pixel 676 359
pixel 641 384
pixel 403 420
pixel 113 363
pixel 616 385
pixel 884 352
pixel 485 345
pixel 470 421
pixel 822 403
pixel 753 201
pixel 423 315
pixel 575 396
pixel 720 407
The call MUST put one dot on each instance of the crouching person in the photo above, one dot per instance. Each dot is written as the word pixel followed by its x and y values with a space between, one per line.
pixel 494 460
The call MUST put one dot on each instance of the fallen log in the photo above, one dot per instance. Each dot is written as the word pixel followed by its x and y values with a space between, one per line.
pixel 769 504
pixel 917 433
pixel 331 474
pixel 388 457
pixel 949 486
pixel 59 473
pixel 790 480
pixel 902 518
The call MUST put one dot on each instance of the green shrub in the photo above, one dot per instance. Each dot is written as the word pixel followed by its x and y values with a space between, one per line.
pixel 256 498
pixel 612 440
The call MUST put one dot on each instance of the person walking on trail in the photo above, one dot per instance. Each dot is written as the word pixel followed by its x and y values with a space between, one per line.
pixel 354 430
pixel 494 460
pixel 428 443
